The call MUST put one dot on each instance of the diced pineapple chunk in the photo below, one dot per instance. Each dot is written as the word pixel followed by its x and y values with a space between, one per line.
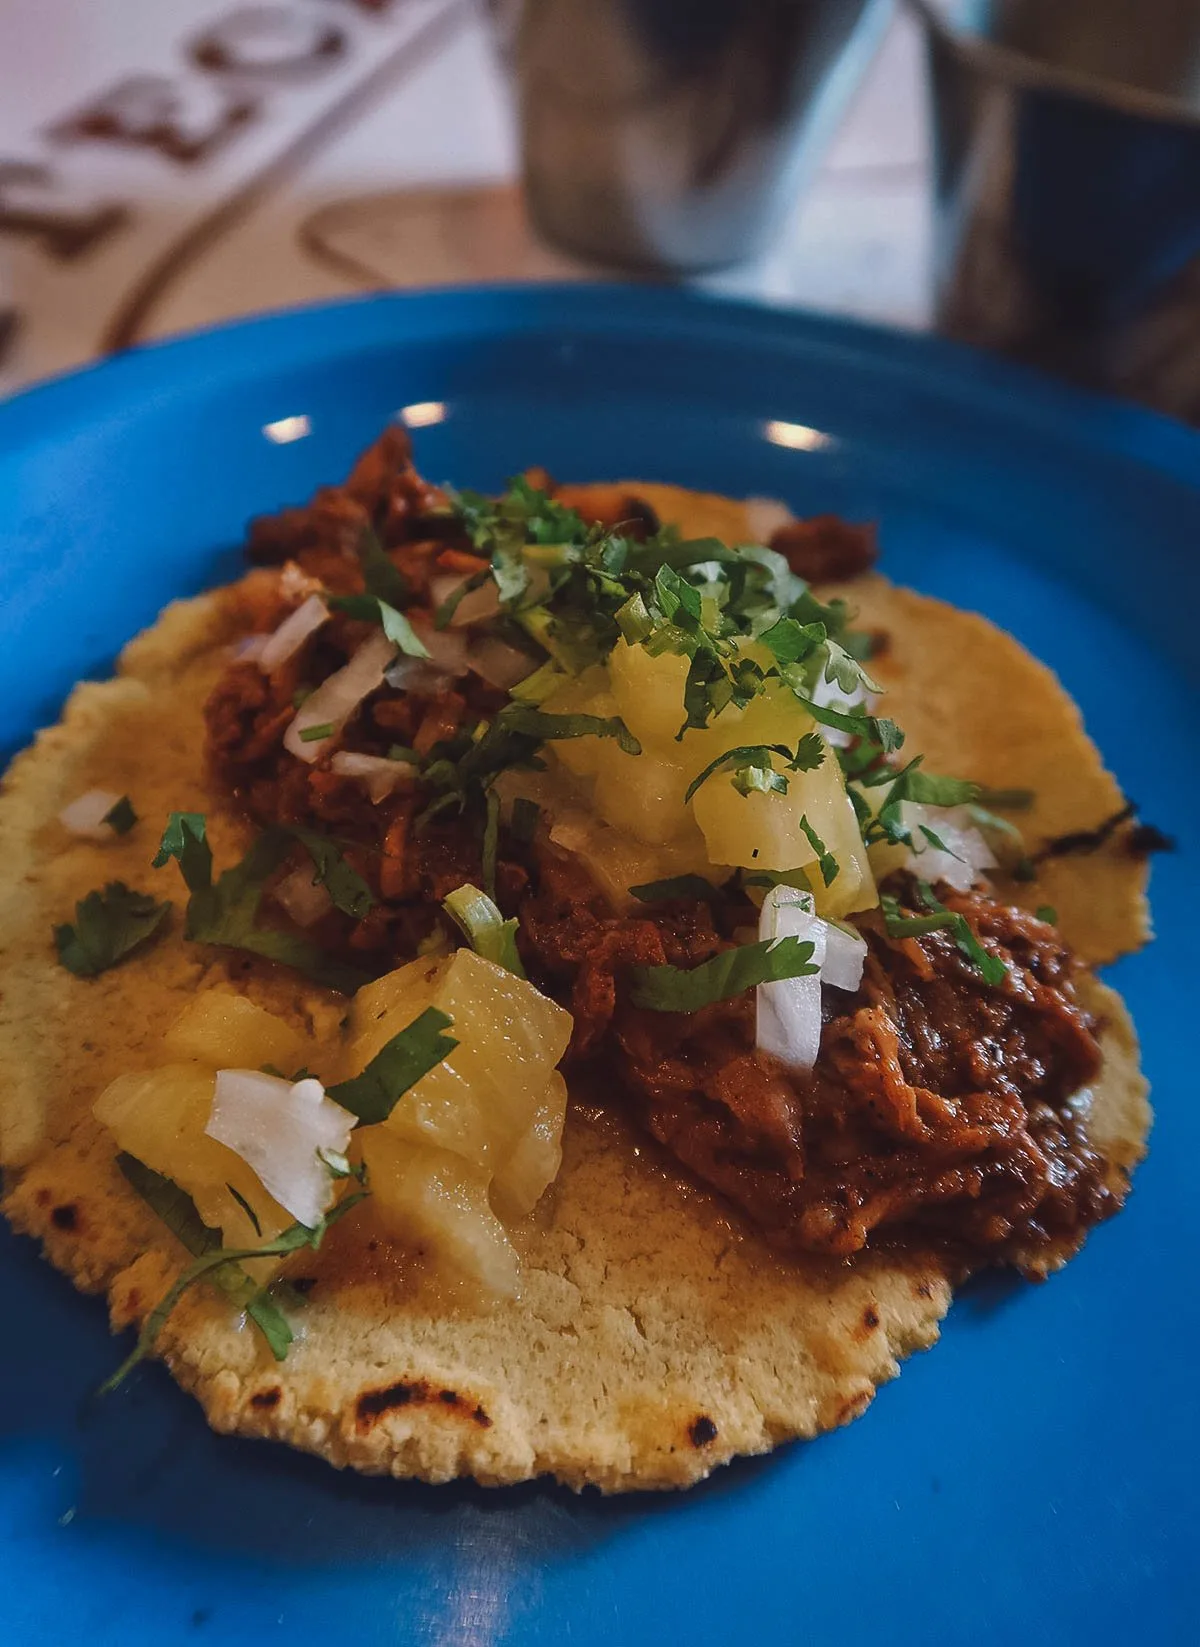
pixel 642 794
pixel 648 692
pixel 481 1098
pixel 159 1116
pixel 227 1031
pixel 434 1197
pixel 523 1177
pixel 586 694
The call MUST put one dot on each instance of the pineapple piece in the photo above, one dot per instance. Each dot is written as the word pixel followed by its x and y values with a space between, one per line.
pixel 480 1099
pixel 616 861
pixel 525 1174
pixel 648 692
pixel 159 1116
pixel 434 1197
pixel 226 1031
pixel 642 795
pixel 586 694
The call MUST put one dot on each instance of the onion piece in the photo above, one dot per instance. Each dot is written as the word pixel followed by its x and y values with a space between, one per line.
pixel 788 1013
pixel 277 1127
pixel 967 852
pixel 499 664
pixel 249 649
pixel 379 775
pixel 845 954
pixel 476 606
pixel 336 699
pixel 293 632
pixel 85 815
pixel 302 898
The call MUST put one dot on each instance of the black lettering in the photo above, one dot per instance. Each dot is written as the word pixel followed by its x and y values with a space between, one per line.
pixel 31 205
pixel 269 42
pixel 184 120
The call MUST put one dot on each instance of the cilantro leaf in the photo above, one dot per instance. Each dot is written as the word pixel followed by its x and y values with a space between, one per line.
pixel 797 878
pixel 678 989
pixel 746 755
pixel 810 752
pixel 374 1093
pixel 792 642
pixel 899 925
pixel 350 893
pixel 227 913
pixel 826 862
pixel 108 926
pixel 371 609
pixel 1047 913
pixel 186 839
pixel 537 723
pixel 121 817
pixel 178 1212
pixel 694 887
pixel 381 576
pixel 762 780
pixel 210 1263
pixel 488 933
pixel 873 729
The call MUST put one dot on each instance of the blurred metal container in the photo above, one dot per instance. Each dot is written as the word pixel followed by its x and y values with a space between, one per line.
pixel 668 135
pixel 1067 187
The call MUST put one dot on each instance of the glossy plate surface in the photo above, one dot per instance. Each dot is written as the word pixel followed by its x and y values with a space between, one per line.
pixel 1032 1480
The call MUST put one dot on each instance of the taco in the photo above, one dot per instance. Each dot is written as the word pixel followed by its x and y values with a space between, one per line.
pixel 792 878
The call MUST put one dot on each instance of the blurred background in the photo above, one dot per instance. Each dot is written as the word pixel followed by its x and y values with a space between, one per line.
pixel 1024 174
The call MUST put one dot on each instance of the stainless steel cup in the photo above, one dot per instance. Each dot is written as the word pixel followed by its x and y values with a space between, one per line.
pixel 667 134
pixel 1067 187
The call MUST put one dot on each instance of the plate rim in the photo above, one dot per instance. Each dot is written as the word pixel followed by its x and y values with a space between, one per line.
pixel 302 333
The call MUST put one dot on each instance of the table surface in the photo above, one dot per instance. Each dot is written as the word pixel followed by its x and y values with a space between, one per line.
pixel 148 187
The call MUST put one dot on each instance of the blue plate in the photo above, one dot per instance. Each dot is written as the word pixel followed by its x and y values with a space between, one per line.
pixel 1034 1479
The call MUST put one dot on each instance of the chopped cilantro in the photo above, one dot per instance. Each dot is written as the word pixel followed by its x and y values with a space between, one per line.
pixel 215 1261
pixel 536 723
pixel 742 759
pixel 246 1208
pixel 108 926
pixel 314 734
pixel 491 840
pixel 693 887
pixel 489 934
pixel 676 989
pixel 374 1093
pixel 121 817
pixel 380 575
pixel 178 1212
pixel 826 862
pixel 226 913
pixel 899 925
pixel 371 609
pixel 1047 913
pixel 186 838
pixel 350 893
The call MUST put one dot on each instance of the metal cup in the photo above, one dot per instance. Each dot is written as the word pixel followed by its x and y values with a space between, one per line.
pixel 667 134
pixel 1067 187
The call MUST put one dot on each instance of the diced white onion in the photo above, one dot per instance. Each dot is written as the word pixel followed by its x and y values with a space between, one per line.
pixel 85 815
pixel 788 1015
pixel 418 677
pixel 967 852
pixel 499 664
pixel 477 606
pixel 303 900
pixel 447 648
pixel 764 517
pixel 845 953
pixel 293 632
pixel 379 775
pixel 336 699
pixel 249 649
pixel 277 1127
pixel 295 583
pixel 788 1012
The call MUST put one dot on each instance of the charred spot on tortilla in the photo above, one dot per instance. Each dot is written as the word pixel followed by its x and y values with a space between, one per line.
pixel 580 776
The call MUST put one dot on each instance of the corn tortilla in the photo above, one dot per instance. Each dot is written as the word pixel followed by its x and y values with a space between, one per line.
pixel 656 1336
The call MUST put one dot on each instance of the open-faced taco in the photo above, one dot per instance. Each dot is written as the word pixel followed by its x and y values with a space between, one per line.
pixel 793 879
